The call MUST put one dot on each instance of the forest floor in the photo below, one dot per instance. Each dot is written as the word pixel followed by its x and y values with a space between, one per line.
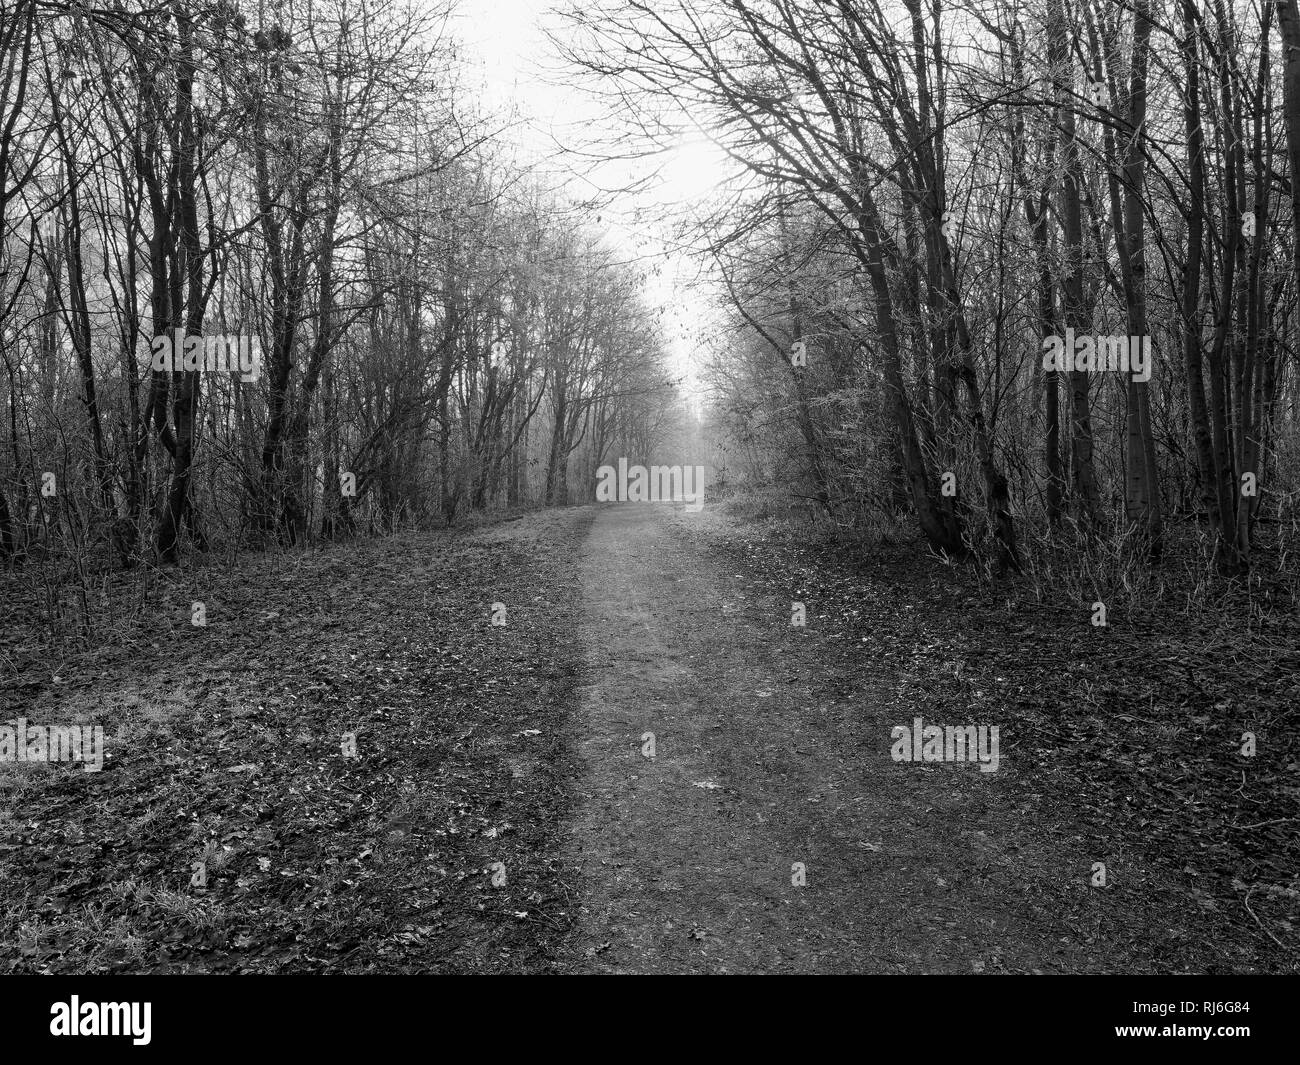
pixel 502 812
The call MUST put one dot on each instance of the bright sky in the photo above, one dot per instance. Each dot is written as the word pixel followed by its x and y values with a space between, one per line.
pixel 505 41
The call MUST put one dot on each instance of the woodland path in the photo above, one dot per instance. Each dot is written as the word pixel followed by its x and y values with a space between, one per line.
pixel 765 757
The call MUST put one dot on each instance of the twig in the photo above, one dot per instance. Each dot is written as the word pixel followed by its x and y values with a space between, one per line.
pixel 1270 935
pixel 1261 824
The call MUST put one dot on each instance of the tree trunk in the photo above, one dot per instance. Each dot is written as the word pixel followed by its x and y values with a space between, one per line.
pixel 1077 316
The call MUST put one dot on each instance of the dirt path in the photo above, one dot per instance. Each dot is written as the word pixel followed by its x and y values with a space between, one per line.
pixel 908 867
